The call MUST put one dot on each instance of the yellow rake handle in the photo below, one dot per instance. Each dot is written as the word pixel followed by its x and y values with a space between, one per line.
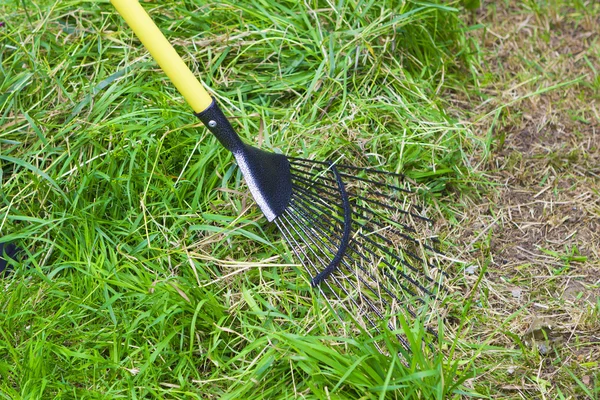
pixel 164 54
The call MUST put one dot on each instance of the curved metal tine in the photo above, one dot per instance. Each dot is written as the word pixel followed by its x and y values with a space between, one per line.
pixel 309 235
pixel 371 306
pixel 306 208
pixel 304 212
pixel 376 183
pixel 335 293
pixel 331 247
pixel 368 301
pixel 336 280
pixel 295 246
pixel 311 214
pixel 368 219
pixel 310 206
pixel 377 293
pixel 415 257
pixel 406 306
pixel 303 188
pixel 301 162
pixel 388 252
pixel 392 224
pixel 358 309
pixel 357 261
pixel 333 196
pixel 416 242
pixel 391 230
pixel 289 237
pixel 323 212
pixel 326 189
pixel 301 181
pixel 386 240
pixel 345 166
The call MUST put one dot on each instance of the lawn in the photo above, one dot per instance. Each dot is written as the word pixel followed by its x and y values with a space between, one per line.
pixel 147 270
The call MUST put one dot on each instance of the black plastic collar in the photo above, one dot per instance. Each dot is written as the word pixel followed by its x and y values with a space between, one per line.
pixel 267 174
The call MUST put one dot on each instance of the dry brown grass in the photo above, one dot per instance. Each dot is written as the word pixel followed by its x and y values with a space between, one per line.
pixel 536 234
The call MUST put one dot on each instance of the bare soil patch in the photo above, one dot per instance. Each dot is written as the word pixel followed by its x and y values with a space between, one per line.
pixel 536 234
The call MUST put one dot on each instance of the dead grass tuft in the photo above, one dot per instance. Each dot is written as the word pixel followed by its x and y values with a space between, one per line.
pixel 536 235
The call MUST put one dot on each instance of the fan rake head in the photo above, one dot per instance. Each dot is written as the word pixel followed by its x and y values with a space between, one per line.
pixel 365 244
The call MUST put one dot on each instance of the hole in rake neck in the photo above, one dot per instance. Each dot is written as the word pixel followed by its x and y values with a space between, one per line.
pixel 346 235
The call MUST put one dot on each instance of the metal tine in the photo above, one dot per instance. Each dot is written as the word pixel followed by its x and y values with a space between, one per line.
pixel 332 196
pixel 295 246
pixel 397 232
pixel 311 188
pixel 391 208
pixel 369 275
pixel 376 183
pixel 327 189
pixel 366 199
pixel 384 249
pixel 335 279
pixel 388 252
pixel 389 228
pixel 307 245
pixel 388 271
pixel 306 212
pixel 417 242
pixel 375 193
pixel 314 182
pixel 352 167
pixel 420 242
pixel 311 236
pixel 393 268
pixel 331 246
pixel 392 230
pixel 368 301
pixel 295 217
pixel 372 192
pixel 309 185
pixel 374 220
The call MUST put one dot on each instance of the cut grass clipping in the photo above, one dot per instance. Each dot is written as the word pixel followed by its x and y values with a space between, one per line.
pixel 147 269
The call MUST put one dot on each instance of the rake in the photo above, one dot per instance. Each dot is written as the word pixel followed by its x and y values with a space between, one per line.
pixel 366 247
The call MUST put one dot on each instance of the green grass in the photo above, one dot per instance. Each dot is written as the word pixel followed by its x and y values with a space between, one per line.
pixel 148 271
